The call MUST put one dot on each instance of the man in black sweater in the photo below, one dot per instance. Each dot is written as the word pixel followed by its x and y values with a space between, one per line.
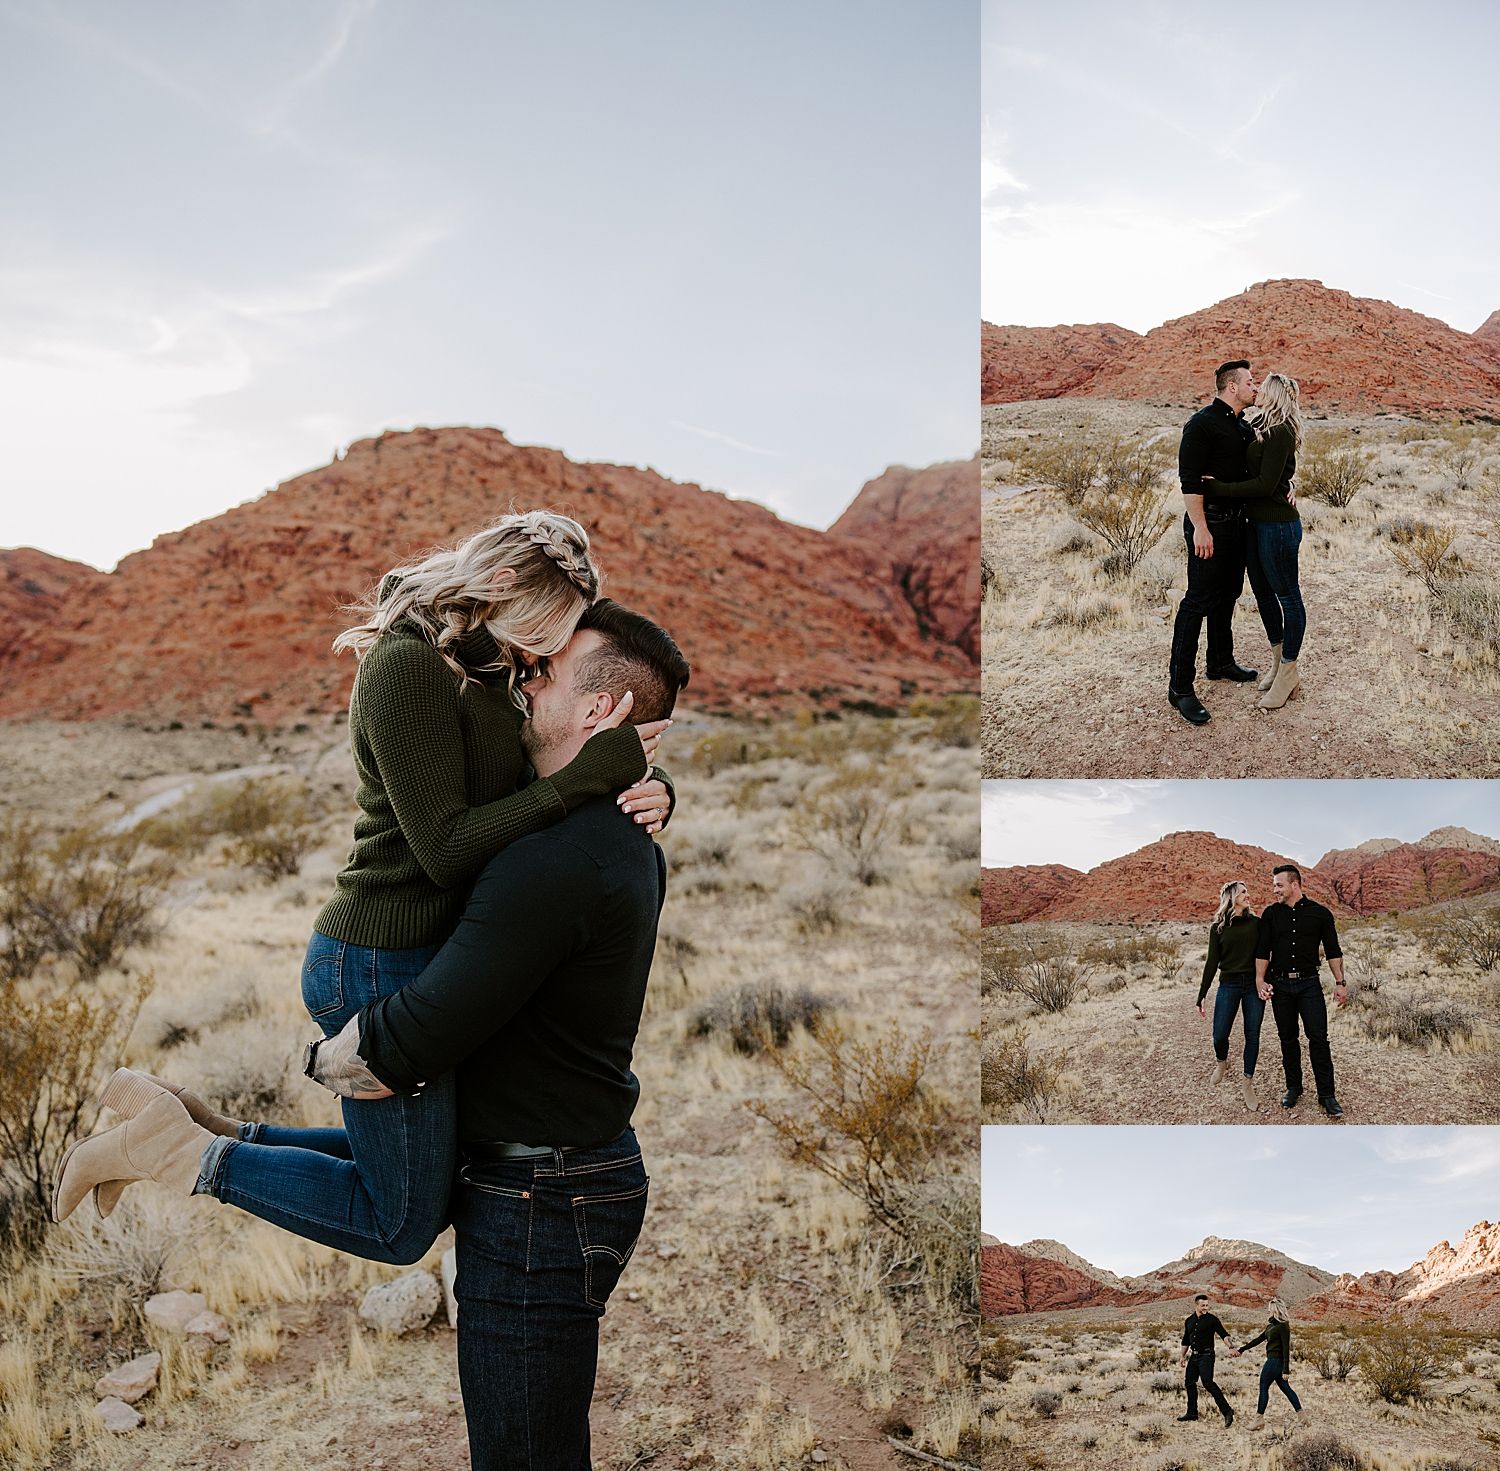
pixel 536 1001
pixel 1213 443
pixel 1286 975
pixel 1198 1335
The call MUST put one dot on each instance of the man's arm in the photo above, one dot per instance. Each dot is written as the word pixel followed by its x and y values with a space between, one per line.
pixel 1192 466
pixel 1335 956
pixel 1263 988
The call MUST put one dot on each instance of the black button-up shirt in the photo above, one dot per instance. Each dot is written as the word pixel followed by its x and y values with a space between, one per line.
pixel 1199 1331
pixel 1213 443
pixel 1291 933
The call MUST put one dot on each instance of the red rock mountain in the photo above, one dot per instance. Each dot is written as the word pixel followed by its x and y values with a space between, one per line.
pixel 233 617
pixel 922 527
pixel 1045 1277
pixel 1349 353
pixel 1178 878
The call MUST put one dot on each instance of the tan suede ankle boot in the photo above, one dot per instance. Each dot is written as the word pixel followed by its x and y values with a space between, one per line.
pixel 1217 1076
pixel 160 1143
pixel 1269 677
pixel 129 1091
pixel 1247 1092
pixel 1283 687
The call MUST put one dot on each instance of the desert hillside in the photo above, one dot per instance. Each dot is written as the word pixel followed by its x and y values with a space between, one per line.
pixel 1178 878
pixel 1349 353
pixel 232 618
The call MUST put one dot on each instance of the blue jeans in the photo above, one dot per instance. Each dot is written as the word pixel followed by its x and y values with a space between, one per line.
pixel 378 1187
pixel 541 1244
pixel 1234 992
pixel 1271 561
pixel 1271 1373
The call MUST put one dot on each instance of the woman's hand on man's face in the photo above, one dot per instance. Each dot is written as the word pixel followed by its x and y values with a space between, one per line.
pixel 648 802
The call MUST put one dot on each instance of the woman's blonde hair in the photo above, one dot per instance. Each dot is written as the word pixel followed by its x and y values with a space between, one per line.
pixel 1277 1309
pixel 449 593
pixel 1279 402
pixel 1226 902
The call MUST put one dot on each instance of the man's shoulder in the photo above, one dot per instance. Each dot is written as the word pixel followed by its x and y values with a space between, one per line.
pixel 596 832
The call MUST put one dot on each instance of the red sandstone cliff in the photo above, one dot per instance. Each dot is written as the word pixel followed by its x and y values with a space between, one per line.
pixel 234 616
pixel 1349 353
pixel 1010 895
pixel 922 528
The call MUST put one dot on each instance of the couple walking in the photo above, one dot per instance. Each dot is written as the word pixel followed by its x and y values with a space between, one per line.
pixel 1199 1333
pixel 478 977
pixel 1273 957
pixel 1235 465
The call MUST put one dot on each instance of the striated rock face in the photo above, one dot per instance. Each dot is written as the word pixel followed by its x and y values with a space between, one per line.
pixel 1020 363
pixel 1178 878
pixel 233 617
pixel 1009 895
pixel 1349 353
pixel 922 528
pixel 1461 1283
pixel 1012 1281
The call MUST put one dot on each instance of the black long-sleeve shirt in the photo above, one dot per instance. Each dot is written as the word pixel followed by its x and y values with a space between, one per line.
pixel 536 999
pixel 1213 443
pixel 1199 1332
pixel 1289 937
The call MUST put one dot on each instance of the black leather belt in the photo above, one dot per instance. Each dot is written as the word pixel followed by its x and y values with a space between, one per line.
pixel 494 1151
pixel 1294 975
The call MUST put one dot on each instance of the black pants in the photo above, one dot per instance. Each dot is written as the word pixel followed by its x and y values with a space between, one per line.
pixel 1201 1366
pixel 1291 1000
pixel 1214 585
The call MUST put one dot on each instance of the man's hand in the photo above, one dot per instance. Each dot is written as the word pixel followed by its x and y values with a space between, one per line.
pixel 648 801
pixel 1265 990
pixel 339 1067
pixel 1203 541
pixel 1340 994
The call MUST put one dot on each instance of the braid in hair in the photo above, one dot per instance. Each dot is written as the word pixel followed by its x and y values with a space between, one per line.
pixel 566 542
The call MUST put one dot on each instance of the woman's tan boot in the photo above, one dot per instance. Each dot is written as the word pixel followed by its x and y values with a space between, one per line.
pixel 1258 1423
pixel 1283 687
pixel 128 1092
pixel 1247 1092
pixel 1305 1417
pixel 1269 677
pixel 160 1143
pixel 1217 1076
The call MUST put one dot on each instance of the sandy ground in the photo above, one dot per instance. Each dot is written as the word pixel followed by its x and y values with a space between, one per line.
pixel 757 1323
pixel 1114 1400
pixel 1386 692
pixel 1142 1054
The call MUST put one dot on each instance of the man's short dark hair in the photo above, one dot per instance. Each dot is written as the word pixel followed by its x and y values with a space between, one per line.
pixel 637 655
pixel 1290 868
pixel 1201 1297
pixel 1226 371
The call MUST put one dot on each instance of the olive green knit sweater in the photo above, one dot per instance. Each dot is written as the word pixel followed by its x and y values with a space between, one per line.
pixel 444 786
pixel 1271 464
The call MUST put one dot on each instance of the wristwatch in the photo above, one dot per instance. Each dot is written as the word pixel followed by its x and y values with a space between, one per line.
pixel 310 1057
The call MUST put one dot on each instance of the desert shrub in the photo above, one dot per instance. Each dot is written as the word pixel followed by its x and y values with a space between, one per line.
pixel 940 1227
pixel 1460 463
pixel 1082 611
pixel 138 1247
pixel 1421 1020
pixel 1046 1403
pixel 1161 1384
pixel 85 896
pixel 1042 964
pixel 819 907
pixel 1400 1359
pixel 247 1070
pixel 846 822
pixel 1331 470
pixel 758 1016
pixel 1069 538
pixel 955 719
pixel 862 1115
pixel 1465 931
pixel 1129 520
pixel 1364 959
pixel 997 1356
pixel 1139 948
pixel 1152 1357
pixel 1012 1077
pixel 1426 552
pixel 1149 1430
pixel 58 1039
pixel 1333 1355
pixel 271 822
pixel 991 584
pixel 1322 1451
pixel 1087 1437
pixel 1069 465
pixel 1471 608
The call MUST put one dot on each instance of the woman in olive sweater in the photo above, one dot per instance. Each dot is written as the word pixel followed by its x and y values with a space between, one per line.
pixel 435 725
pixel 1231 952
pixel 1274 530
pixel 1278 1341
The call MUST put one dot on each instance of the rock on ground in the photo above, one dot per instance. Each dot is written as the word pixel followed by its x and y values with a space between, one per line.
pixel 130 1381
pixel 117 1415
pixel 210 1325
pixel 174 1310
pixel 400 1306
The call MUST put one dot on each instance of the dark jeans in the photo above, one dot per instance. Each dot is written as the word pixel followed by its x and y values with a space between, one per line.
pixel 1271 1373
pixel 1271 561
pixel 378 1187
pixel 1201 1366
pixel 1291 1000
pixel 1234 992
pixel 541 1244
pixel 1214 583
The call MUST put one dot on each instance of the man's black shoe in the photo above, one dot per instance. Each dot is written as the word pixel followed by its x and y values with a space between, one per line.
pixel 1228 1418
pixel 1331 1107
pixel 1289 1099
pixel 1189 707
pixel 1181 1418
pixel 1235 672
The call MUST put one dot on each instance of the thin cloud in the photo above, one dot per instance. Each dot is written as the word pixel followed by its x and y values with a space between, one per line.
pixel 749 449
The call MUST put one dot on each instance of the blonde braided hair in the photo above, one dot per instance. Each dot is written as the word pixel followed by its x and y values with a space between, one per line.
pixel 450 592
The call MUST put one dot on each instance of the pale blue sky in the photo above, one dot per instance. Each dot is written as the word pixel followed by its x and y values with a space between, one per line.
pixel 734 242
pixel 1084 823
pixel 1132 1199
pixel 1143 161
